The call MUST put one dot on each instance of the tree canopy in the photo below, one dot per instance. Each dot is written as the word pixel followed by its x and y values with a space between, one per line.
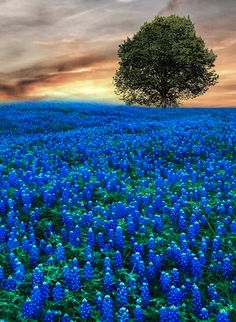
pixel 164 63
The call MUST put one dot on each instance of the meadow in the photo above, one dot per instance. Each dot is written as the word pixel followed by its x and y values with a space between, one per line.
pixel 117 213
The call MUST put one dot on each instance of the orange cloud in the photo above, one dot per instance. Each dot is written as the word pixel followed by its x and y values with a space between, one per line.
pixel 62 72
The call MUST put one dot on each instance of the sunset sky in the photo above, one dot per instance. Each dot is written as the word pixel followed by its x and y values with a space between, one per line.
pixel 68 49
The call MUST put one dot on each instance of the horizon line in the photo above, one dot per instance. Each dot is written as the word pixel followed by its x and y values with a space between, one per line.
pixel 106 102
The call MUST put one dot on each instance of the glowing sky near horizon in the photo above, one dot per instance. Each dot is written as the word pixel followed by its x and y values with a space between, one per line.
pixel 68 49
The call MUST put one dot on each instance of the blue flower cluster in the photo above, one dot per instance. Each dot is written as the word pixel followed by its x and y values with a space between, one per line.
pixel 115 213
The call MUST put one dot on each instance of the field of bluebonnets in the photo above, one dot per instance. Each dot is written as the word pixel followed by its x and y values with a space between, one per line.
pixel 115 213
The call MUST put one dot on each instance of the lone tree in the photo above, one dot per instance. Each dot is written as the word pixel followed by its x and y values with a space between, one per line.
pixel 164 63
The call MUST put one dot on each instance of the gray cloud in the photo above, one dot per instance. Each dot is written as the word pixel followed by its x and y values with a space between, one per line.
pixel 29 27
pixel 171 6
pixel 214 19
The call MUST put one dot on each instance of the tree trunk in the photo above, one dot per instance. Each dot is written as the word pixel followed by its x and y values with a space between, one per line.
pixel 163 102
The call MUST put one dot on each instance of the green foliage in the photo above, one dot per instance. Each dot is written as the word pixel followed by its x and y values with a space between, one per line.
pixel 164 63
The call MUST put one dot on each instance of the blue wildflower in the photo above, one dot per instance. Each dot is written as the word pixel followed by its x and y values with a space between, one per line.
pixel 122 295
pixel 227 268
pixel 151 271
pixel 107 309
pixel 222 316
pixel 88 271
pixel 108 282
pixel 119 239
pixel 28 309
pixel 90 237
pixel 101 240
pixel 138 314
pixel 145 294
pixel 118 260
pixel 165 282
pixel 10 284
pixel 173 314
pixel 175 278
pixel 212 292
pixel 60 253
pixel 197 300
pixel 98 300
pixel 216 244
pixel 175 296
pixel 123 315
pixel 204 314
pixel 37 277
pixel 85 309
pixel 164 314
pixel 45 290
pixel 196 268
pixel 50 316
pixel 58 292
